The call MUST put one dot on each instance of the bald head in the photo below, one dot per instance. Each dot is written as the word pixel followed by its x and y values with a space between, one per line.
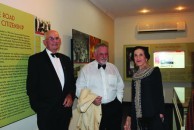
pixel 52 41
pixel 49 32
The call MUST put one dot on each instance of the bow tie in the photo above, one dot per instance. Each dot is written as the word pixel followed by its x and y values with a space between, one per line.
pixel 103 66
pixel 54 55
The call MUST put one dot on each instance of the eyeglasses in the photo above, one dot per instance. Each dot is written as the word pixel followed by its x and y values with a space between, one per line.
pixel 54 38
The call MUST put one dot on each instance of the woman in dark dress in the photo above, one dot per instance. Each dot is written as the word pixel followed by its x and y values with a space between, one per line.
pixel 147 111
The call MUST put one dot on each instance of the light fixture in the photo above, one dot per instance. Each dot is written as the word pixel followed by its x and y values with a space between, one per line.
pixel 180 8
pixel 144 11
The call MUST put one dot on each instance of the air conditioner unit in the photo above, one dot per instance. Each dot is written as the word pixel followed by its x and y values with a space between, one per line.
pixel 161 27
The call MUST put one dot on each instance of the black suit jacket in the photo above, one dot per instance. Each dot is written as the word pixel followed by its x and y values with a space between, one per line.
pixel 43 85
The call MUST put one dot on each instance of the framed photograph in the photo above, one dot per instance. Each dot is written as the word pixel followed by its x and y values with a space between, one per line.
pixel 129 66
pixel 82 49
pixel 93 42
pixel 79 50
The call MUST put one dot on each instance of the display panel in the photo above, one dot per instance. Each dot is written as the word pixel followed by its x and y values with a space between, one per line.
pixel 169 59
pixel 17 43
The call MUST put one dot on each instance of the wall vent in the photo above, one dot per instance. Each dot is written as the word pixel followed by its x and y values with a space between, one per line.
pixel 161 27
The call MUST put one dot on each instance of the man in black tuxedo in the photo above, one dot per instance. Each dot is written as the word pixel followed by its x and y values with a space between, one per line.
pixel 51 85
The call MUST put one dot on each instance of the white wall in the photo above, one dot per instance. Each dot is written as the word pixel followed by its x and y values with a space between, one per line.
pixel 65 15
pixel 125 34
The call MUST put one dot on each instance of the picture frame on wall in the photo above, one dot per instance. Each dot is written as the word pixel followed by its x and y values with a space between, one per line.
pixel 93 42
pixel 82 49
pixel 129 66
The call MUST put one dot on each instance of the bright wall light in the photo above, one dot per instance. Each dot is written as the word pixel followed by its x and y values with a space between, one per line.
pixel 144 11
pixel 180 8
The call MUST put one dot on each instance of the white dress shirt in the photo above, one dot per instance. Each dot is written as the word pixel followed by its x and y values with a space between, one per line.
pixel 105 83
pixel 58 67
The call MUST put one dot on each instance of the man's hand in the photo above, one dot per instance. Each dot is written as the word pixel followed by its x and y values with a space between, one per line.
pixel 68 102
pixel 162 117
pixel 97 101
pixel 127 125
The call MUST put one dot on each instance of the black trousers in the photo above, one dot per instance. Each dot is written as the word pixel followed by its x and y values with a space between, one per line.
pixel 111 116
pixel 56 120
pixel 154 123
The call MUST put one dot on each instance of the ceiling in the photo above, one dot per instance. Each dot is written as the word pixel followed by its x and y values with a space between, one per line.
pixel 123 8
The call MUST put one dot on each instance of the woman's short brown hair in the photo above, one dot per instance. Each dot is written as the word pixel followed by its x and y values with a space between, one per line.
pixel 145 49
